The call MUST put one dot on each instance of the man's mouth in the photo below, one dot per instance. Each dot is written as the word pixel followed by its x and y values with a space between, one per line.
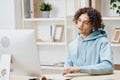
pixel 79 28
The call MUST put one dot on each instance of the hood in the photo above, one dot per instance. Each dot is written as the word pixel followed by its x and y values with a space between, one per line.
pixel 94 35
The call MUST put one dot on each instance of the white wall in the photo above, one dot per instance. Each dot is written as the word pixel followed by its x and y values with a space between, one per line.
pixel 10 14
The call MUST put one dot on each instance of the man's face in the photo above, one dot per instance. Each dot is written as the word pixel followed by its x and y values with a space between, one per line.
pixel 84 25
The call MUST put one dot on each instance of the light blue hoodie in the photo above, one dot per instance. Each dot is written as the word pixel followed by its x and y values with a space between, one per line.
pixel 93 54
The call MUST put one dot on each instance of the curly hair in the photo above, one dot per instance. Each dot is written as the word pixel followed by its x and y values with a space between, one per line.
pixel 94 16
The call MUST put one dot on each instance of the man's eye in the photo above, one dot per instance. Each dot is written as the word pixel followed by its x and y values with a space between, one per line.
pixel 86 22
pixel 79 20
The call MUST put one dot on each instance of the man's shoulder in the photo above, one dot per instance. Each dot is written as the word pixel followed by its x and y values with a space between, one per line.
pixel 103 39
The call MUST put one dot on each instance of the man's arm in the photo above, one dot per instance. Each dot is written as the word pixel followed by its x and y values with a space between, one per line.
pixel 68 61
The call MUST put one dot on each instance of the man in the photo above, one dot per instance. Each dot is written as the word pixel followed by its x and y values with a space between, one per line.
pixel 90 52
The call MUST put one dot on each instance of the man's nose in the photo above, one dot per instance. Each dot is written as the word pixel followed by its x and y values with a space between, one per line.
pixel 80 24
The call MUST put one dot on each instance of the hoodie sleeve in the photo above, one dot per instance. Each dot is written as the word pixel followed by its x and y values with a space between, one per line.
pixel 106 61
pixel 68 59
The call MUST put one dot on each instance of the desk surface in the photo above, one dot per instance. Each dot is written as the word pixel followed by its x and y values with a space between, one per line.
pixel 115 76
pixel 18 77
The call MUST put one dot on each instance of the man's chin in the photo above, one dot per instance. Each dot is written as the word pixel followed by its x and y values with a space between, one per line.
pixel 80 32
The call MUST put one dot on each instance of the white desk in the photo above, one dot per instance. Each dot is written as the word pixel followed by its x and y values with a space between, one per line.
pixel 115 76
pixel 18 77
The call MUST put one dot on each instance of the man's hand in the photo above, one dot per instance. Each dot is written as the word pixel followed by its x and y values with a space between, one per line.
pixel 71 70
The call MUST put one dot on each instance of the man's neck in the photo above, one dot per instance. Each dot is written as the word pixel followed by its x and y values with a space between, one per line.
pixel 85 35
